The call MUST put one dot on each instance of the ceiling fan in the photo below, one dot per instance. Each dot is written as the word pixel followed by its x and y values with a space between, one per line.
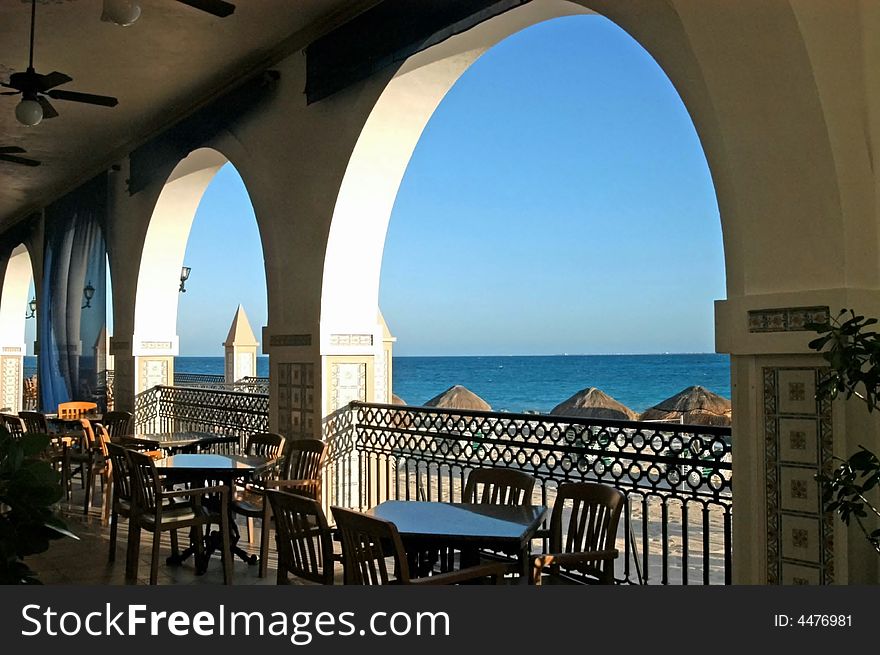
pixel 126 12
pixel 7 154
pixel 34 88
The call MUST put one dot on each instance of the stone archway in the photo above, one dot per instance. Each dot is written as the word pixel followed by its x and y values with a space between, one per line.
pixel 13 304
pixel 353 336
pixel 155 342
pixel 758 126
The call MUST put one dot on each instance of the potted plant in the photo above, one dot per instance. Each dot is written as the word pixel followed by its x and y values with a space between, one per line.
pixel 29 487
pixel 852 349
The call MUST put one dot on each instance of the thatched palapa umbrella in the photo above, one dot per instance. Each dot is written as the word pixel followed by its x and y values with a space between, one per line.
pixel 459 397
pixel 694 405
pixel 593 403
pixel 397 400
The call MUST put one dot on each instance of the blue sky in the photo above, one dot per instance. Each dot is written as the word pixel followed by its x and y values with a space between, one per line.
pixel 558 201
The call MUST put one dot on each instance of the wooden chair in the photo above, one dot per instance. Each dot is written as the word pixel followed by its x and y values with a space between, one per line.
pixel 152 513
pixel 95 463
pixel 29 397
pixel 13 424
pixel 34 422
pixel 498 486
pixel 370 544
pixel 590 512
pixel 303 538
pixel 118 424
pixel 489 486
pixel 300 474
pixel 249 500
pixel 122 498
pixel 75 409
pixel 147 446
pixel 301 470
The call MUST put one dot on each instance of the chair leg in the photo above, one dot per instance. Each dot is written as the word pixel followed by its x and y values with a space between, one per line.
pixel 264 538
pixel 88 477
pixel 175 549
pixel 199 541
pixel 154 560
pixel 250 529
pixel 108 499
pixel 133 552
pixel 227 548
pixel 114 529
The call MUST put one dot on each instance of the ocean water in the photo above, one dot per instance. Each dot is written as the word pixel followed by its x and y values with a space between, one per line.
pixel 521 383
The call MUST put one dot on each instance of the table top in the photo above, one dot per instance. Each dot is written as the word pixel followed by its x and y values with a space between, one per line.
pixel 462 522
pixel 180 439
pixel 208 463
pixel 54 418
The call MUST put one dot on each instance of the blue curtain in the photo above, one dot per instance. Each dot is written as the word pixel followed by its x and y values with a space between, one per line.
pixel 72 330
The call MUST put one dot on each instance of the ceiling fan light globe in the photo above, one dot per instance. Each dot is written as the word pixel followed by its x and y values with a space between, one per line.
pixel 29 112
pixel 121 12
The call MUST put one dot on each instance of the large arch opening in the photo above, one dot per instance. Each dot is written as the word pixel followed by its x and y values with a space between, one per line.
pixel 350 304
pixel 369 191
pixel 213 284
pixel 15 314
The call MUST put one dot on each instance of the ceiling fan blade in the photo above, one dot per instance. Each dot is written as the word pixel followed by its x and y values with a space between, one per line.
pixel 9 93
pixel 218 8
pixel 89 98
pixel 19 160
pixel 48 109
pixel 52 80
pixel 8 150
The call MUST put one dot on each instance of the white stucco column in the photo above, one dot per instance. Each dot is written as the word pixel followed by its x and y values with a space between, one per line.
pixel 783 436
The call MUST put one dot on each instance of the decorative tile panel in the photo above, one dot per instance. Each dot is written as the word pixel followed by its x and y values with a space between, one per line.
pixel 796 574
pixel 348 381
pixel 797 442
pixel 153 372
pixel 786 319
pixel 296 400
pixel 119 347
pixel 290 340
pixel 351 339
pixel 798 491
pixel 797 391
pixel 11 383
pixel 156 345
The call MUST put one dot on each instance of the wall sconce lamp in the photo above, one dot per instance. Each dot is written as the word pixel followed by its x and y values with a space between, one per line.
pixel 184 276
pixel 32 306
pixel 88 293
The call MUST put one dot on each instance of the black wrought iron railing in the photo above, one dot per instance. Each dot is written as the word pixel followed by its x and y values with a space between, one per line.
pixel 249 384
pixel 182 409
pixel 676 527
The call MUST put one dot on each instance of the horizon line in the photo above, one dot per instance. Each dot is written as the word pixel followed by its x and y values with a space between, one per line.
pixel 617 354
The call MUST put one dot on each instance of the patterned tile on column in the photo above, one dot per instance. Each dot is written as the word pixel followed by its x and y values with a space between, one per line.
pixel 797 441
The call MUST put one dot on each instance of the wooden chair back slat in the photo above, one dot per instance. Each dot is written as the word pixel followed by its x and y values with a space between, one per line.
pixel 304 541
pixel 368 543
pixel 498 486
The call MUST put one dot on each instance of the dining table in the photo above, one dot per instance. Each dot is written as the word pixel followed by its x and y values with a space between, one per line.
pixel 469 527
pixel 186 441
pixel 209 469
